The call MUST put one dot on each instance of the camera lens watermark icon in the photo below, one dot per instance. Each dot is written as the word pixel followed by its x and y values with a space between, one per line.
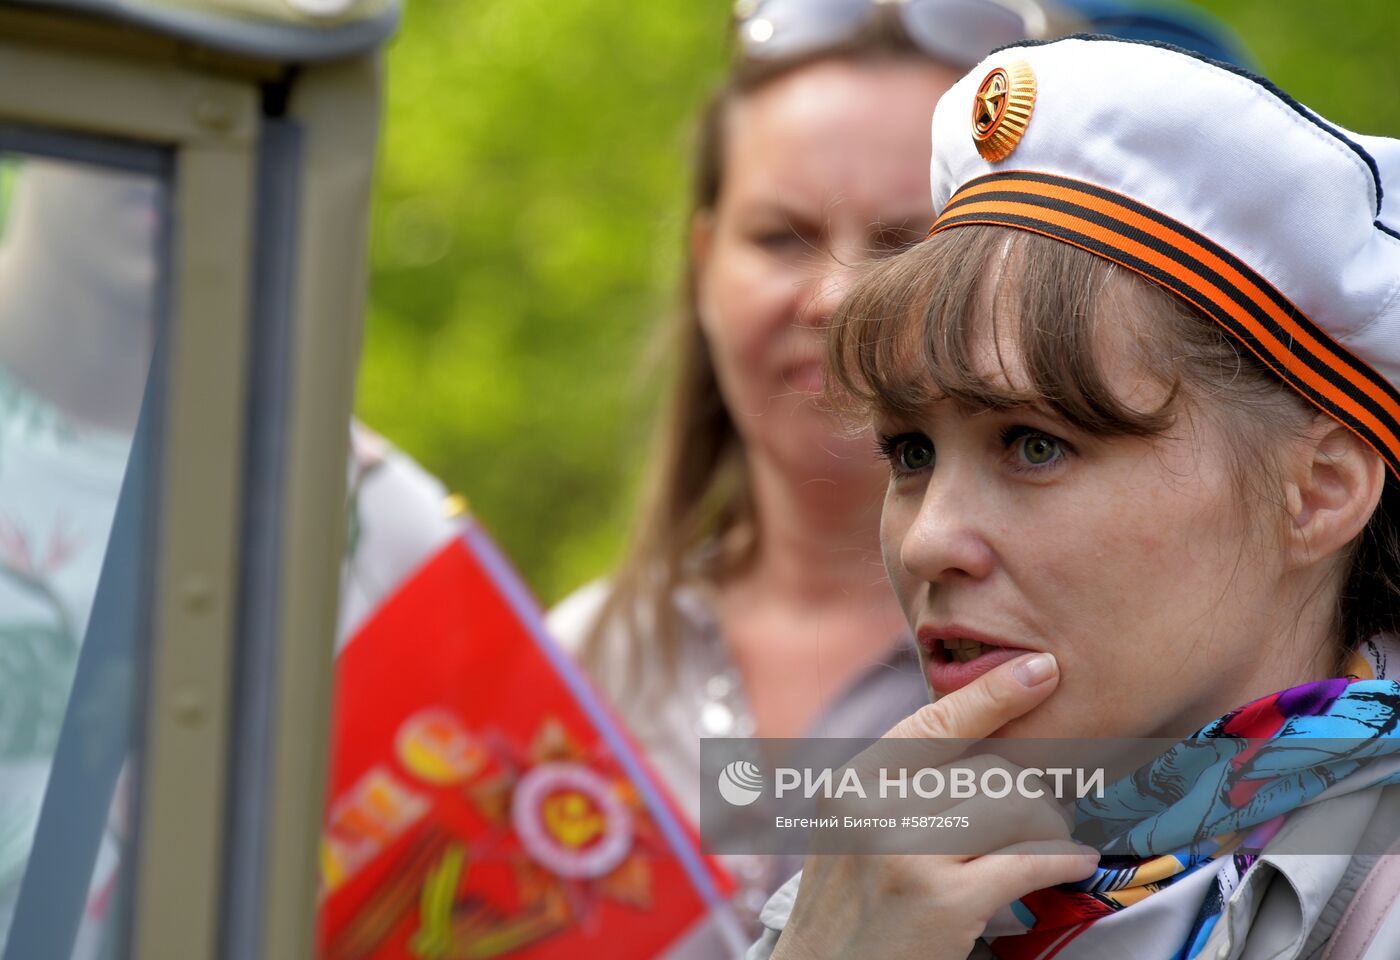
pixel 741 783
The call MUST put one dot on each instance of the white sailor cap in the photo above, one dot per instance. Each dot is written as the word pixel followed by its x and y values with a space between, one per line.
pixel 1207 180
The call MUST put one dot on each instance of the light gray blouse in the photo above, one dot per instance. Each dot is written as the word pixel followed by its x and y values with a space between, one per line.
pixel 707 699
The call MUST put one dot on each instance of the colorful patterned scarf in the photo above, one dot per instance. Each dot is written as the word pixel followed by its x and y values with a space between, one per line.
pixel 1217 784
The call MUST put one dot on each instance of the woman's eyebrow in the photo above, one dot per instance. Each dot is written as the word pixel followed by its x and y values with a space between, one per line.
pixel 1041 408
pixel 885 418
pixel 779 211
pixel 1037 406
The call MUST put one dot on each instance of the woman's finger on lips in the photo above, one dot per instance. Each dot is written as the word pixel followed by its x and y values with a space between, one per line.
pixel 980 708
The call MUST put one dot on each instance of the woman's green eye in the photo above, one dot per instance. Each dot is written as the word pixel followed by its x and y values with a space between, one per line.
pixel 914 455
pixel 1039 450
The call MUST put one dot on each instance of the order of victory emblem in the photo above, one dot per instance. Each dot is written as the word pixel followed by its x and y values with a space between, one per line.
pixel 1001 110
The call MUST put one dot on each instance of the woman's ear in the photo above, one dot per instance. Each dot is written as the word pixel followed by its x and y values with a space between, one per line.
pixel 702 233
pixel 1334 491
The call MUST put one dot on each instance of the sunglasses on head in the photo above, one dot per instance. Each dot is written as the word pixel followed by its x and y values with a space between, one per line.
pixel 959 32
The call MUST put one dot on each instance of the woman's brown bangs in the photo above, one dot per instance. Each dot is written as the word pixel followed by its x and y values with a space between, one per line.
pixel 906 335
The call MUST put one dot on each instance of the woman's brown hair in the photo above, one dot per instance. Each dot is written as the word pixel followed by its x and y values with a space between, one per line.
pixel 906 333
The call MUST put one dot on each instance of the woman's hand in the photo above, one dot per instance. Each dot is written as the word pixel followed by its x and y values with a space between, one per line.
pixel 934 907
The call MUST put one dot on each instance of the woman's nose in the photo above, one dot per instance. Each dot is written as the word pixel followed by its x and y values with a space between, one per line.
pixel 947 541
pixel 828 289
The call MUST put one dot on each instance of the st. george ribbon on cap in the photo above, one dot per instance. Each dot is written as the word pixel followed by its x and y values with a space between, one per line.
pixel 1207 180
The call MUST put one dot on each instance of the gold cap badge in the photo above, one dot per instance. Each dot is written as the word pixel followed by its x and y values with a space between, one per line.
pixel 1002 109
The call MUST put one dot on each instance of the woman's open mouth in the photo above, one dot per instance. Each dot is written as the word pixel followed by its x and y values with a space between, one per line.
pixel 954 657
pixel 964 650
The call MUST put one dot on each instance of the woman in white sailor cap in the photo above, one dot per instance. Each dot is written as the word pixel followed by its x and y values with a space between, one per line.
pixel 1138 394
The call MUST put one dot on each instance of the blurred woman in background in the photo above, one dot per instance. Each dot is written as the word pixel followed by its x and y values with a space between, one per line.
pixel 753 601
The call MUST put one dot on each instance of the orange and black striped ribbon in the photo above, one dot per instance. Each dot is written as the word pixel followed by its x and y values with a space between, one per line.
pixel 1192 266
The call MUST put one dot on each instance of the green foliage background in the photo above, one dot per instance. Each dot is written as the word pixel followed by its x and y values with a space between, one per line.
pixel 528 224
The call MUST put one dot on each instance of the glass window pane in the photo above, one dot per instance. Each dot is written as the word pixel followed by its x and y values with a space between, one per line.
pixel 81 275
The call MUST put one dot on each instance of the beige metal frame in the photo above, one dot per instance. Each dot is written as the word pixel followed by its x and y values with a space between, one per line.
pixel 338 105
pixel 90 79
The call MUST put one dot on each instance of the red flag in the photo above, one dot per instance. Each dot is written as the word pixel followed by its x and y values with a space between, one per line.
pixel 483 801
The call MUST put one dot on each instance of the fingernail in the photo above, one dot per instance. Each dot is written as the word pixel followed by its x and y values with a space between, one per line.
pixel 1034 670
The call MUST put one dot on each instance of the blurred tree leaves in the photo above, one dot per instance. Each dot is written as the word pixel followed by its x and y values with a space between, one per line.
pixel 1341 59
pixel 528 226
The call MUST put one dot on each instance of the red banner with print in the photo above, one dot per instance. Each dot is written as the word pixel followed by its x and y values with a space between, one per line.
pixel 483 803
